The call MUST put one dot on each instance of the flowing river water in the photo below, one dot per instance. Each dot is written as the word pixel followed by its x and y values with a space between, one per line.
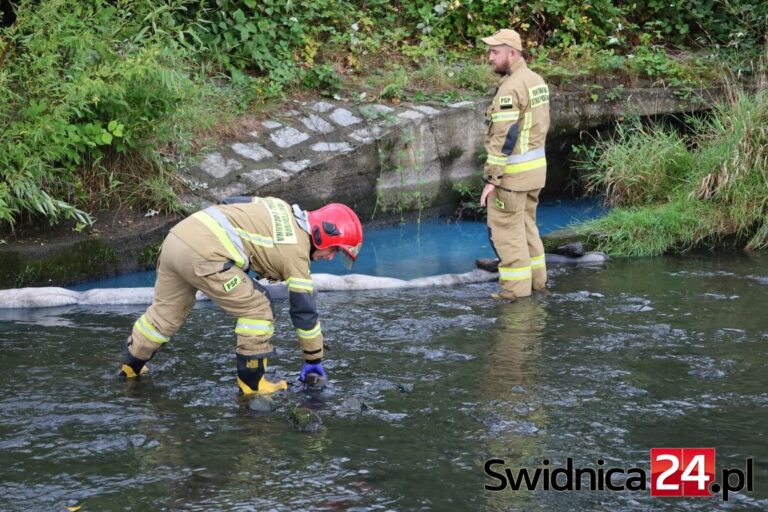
pixel 425 386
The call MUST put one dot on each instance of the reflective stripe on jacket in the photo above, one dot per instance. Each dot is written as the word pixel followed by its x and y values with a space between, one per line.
pixel 518 121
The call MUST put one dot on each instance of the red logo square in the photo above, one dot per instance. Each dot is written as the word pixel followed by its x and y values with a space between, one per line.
pixel 682 471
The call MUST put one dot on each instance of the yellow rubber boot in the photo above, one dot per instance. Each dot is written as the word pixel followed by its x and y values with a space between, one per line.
pixel 251 378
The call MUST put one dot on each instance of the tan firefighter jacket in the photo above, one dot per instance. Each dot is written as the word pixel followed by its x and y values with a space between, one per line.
pixel 262 235
pixel 518 120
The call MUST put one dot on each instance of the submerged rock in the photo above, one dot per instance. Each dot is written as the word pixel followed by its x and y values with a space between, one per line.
pixel 315 382
pixel 707 373
pixel 572 250
pixel 405 388
pixel 354 404
pixel 305 420
pixel 262 404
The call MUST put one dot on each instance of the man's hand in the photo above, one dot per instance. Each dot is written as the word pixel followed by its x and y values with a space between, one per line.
pixel 487 189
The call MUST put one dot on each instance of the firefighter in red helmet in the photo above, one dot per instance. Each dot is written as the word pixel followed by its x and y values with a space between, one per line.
pixel 212 251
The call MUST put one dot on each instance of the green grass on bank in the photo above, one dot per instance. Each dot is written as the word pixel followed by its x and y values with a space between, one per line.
pixel 675 192
pixel 102 101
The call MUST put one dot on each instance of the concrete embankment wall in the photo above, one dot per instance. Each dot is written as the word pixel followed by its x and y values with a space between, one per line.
pixel 383 160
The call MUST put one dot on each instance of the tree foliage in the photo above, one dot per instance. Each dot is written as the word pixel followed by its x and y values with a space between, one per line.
pixel 86 82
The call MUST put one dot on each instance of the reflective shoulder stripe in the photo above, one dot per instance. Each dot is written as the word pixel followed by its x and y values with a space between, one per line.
pixel 256 239
pixel 254 327
pixel 525 131
pixel 537 261
pixel 297 283
pixel 512 116
pixel 226 234
pixel 496 160
pixel 308 334
pixel 526 157
pixel 514 273
pixel 145 327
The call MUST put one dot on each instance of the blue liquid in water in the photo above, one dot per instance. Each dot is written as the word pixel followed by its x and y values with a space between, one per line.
pixel 409 251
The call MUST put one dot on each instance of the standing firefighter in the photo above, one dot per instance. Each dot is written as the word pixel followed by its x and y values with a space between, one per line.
pixel 515 171
pixel 212 250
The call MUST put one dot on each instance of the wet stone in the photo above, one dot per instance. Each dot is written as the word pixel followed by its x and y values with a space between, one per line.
pixel 629 390
pixel 287 137
pixel 137 440
pixel 253 151
pixel 405 388
pixel 661 329
pixel 216 165
pixel 344 117
pixel 262 404
pixel 707 373
pixel 305 420
pixel 518 389
pixel 315 382
pixel 572 250
pixel 354 404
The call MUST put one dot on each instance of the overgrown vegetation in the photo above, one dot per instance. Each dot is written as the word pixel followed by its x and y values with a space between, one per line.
pixel 103 99
pixel 676 192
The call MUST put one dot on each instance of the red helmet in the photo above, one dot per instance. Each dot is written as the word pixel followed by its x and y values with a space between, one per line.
pixel 336 225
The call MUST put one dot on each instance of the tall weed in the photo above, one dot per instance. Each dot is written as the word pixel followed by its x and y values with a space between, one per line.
pixel 679 199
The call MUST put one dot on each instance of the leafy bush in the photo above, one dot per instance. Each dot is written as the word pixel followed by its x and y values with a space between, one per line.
pixel 82 80
pixel 87 82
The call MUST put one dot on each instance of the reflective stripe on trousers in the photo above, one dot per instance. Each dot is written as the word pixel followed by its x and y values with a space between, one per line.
pixel 514 273
pixel 144 326
pixel 254 327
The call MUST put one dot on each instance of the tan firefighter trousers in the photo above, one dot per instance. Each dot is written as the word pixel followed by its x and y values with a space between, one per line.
pixel 515 237
pixel 180 273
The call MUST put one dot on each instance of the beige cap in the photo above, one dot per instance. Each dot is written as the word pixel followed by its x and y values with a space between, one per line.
pixel 505 36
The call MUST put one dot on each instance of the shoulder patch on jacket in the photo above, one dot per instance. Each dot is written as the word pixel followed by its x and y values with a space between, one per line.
pixel 538 95
pixel 506 102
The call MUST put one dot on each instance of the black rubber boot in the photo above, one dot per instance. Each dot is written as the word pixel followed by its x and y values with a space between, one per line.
pixel 132 368
pixel 488 264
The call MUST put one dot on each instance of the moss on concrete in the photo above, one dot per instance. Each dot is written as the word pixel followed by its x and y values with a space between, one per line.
pixel 82 260
pixel 149 254
pixel 564 236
